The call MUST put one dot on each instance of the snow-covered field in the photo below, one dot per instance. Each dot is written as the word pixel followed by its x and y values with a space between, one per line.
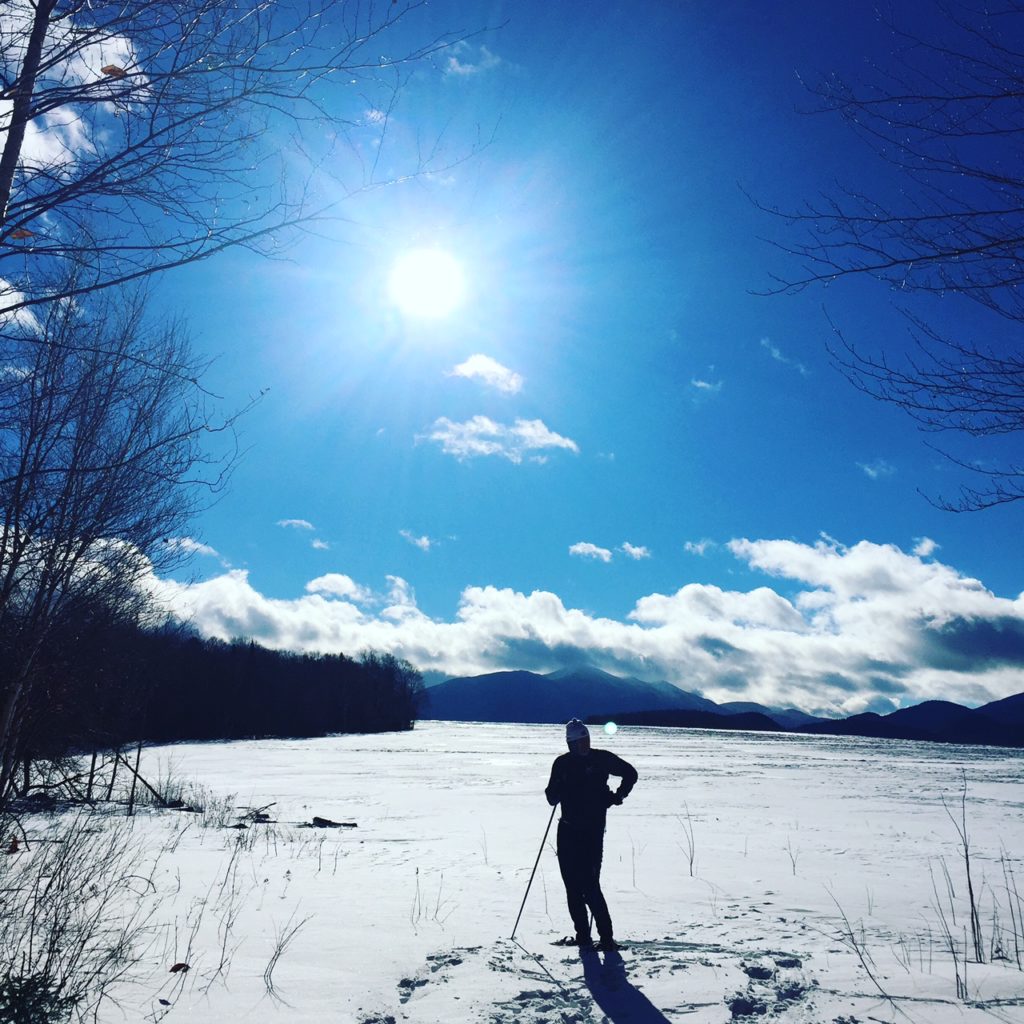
pixel 407 916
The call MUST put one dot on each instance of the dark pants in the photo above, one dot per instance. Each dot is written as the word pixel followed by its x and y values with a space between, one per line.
pixel 579 859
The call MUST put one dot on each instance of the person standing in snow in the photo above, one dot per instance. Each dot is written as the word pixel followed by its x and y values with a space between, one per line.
pixel 579 782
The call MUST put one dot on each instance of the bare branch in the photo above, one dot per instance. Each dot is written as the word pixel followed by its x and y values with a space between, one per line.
pixel 165 133
pixel 948 118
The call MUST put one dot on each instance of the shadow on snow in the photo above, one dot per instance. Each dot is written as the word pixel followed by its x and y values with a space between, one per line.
pixel 618 999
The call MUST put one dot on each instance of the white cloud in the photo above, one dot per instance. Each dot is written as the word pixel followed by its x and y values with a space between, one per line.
pixel 698 547
pixel 53 141
pixel 88 61
pixel 424 543
pixel 698 602
pixel 319 545
pixel 706 387
pixel 858 625
pixel 584 549
pixel 336 584
pixel 490 372
pixel 401 602
pixel 191 546
pixel 295 524
pixel 481 436
pixel 776 353
pixel 877 470
pixel 10 296
pixel 925 547
pixel 465 68
pixel 635 551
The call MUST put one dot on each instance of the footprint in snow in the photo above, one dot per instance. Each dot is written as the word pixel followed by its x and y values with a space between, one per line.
pixel 776 984
pixel 436 962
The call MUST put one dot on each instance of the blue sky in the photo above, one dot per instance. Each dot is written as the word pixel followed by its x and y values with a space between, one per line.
pixel 614 450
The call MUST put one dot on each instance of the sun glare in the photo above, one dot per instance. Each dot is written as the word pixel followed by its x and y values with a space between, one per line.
pixel 427 283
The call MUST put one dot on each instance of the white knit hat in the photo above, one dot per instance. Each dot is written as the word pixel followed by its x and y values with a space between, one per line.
pixel 576 730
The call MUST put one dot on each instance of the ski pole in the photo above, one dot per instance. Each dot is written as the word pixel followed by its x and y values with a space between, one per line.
pixel 534 871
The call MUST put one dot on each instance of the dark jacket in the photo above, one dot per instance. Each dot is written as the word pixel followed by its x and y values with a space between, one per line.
pixel 580 784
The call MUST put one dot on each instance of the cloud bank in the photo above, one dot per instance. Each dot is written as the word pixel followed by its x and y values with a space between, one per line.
pixel 867 627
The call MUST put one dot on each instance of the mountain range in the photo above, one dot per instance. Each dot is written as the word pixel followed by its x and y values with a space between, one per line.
pixel 520 696
pixel 594 695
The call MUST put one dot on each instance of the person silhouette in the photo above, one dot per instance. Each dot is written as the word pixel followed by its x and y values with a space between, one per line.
pixel 579 782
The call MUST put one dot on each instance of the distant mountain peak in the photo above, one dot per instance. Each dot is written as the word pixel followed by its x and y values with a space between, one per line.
pixel 582 671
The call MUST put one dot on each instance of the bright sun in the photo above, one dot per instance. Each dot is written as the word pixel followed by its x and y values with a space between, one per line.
pixel 427 283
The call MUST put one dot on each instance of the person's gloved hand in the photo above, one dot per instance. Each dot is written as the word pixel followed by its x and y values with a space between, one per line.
pixel 612 799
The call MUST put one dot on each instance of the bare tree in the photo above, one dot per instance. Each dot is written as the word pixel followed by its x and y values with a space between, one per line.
pixel 102 425
pixel 138 135
pixel 947 116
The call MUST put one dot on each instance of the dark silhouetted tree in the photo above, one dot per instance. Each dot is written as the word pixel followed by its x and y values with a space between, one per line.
pixel 102 421
pixel 207 689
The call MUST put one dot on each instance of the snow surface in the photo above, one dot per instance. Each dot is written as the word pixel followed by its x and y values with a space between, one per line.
pixel 408 916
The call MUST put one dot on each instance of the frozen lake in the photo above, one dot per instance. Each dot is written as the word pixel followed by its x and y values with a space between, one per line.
pixel 408 915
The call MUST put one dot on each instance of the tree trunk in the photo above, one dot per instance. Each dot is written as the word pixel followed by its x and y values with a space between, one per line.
pixel 21 108
pixel 92 776
pixel 135 779
pixel 9 737
pixel 113 776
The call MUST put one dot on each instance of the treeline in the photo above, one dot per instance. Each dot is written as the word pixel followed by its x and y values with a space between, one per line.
pixel 106 685
pixel 207 689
